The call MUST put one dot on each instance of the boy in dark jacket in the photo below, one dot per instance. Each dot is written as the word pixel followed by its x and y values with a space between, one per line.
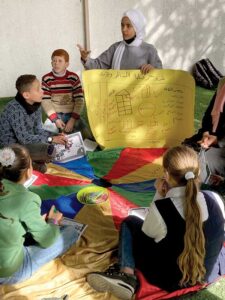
pixel 21 122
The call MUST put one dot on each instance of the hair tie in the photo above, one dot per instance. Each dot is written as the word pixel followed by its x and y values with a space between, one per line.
pixel 189 175
pixel 7 157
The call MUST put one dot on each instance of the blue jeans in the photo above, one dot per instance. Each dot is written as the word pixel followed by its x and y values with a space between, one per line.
pixel 80 125
pixel 65 118
pixel 35 256
pixel 130 227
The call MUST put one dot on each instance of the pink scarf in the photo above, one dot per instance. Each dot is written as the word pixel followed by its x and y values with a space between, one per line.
pixel 218 107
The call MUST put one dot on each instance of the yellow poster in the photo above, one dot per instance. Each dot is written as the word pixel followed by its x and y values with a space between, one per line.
pixel 128 109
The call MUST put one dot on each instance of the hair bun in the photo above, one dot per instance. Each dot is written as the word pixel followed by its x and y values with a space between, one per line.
pixel 189 175
pixel 7 157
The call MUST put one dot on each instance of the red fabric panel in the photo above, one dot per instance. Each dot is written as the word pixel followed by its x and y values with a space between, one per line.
pixel 148 291
pixel 119 207
pixel 131 159
pixel 53 180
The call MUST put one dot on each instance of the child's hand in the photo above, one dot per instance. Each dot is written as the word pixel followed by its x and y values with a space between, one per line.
pixel 70 125
pixel 61 138
pixel 83 52
pixel 207 140
pixel 55 215
pixel 161 186
pixel 60 124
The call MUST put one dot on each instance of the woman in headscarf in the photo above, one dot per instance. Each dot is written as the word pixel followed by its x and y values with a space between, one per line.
pixel 129 54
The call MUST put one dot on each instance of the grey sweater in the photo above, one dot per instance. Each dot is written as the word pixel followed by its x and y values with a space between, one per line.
pixel 17 126
pixel 133 58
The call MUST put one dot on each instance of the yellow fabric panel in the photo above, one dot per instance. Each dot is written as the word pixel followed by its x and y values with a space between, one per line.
pixel 67 275
pixel 60 171
pixel 147 172
pixel 128 109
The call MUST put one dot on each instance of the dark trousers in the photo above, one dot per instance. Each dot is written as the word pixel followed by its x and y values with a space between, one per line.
pixel 216 160
pixel 41 152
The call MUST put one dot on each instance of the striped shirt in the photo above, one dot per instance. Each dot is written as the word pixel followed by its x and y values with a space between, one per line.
pixel 62 95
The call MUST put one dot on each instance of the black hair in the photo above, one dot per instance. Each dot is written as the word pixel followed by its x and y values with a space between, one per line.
pixel 24 82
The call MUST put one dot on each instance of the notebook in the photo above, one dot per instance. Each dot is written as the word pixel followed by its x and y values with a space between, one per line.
pixel 74 148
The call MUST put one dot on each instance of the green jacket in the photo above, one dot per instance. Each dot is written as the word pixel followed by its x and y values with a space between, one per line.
pixel 20 213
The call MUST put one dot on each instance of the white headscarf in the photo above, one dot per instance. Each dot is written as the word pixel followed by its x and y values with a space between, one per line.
pixel 139 22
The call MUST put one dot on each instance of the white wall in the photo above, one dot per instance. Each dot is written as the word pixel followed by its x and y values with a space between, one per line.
pixel 183 31
pixel 30 30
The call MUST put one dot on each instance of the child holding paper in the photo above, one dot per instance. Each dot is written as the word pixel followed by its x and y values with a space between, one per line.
pixel 21 122
pixel 180 242
pixel 20 215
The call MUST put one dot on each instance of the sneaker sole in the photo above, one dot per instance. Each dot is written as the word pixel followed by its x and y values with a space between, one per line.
pixel 116 287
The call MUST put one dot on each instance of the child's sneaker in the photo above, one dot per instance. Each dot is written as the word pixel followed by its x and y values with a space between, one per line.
pixel 122 285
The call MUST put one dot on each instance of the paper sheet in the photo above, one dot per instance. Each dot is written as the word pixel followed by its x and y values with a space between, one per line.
pixel 74 148
pixel 128 109
pixel 90 145
pixel 30 181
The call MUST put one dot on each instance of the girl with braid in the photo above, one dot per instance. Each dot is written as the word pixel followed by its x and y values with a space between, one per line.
pixel 21 221
pixel 180 242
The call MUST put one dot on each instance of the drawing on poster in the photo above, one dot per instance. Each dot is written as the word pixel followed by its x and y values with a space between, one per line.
pixel 74 148
pixel 129 109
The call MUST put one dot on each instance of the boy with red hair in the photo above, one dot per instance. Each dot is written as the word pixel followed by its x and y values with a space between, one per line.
pixel 63 98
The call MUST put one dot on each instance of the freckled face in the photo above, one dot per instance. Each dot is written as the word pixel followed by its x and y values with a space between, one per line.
pixel 127 29
pixel 59 64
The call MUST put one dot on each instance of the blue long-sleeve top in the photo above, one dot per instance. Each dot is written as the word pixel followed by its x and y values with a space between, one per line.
pixel 19 126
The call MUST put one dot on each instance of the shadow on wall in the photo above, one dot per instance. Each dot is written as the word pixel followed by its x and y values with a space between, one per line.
pixel 202 22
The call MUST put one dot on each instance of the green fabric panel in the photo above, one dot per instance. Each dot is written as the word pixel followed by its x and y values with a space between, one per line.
pixel 140 199
pixel 52 192
pixel 202 99
pixel 102 161
pixel 215 291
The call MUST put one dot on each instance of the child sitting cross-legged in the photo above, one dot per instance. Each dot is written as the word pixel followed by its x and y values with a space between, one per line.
pixel 180 242
pixel 63 98
pixel 20 219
